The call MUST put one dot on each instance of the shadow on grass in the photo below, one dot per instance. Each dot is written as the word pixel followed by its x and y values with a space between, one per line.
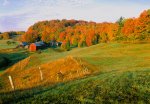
pixel 9 59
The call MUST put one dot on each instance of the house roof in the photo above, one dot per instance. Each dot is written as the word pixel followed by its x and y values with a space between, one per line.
pixel 24 43
pixel 41 43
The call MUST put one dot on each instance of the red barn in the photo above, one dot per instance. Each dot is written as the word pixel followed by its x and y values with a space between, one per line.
pixel 32 47
pixel 36 46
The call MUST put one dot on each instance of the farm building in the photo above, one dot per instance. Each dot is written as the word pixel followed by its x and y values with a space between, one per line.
pixel 59 44
pixel 36 46
pixel 53 43
pixel 24 44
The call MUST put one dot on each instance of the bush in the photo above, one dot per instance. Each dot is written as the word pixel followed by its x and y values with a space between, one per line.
pixel 8 42
pixel 39 51
pixel 4 61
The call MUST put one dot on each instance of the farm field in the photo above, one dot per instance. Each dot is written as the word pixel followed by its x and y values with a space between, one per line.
pixel 74 52
pixel 116 73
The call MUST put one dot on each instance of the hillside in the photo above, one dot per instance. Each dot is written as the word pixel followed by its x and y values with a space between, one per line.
pixel 10 55
pixel 61 70
pixel 118 73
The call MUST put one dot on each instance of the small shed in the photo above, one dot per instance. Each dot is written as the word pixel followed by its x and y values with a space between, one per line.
pixel 52 43
pixel 26 47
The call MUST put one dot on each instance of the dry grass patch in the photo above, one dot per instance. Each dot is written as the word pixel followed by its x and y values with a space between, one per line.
pixel 61 70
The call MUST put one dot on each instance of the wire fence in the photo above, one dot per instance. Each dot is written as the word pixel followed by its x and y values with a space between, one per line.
pixel 51 73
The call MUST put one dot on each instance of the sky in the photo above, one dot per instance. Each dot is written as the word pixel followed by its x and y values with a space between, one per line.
pixel 18 15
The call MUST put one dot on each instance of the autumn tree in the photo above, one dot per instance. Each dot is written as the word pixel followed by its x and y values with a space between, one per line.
pixel 6 35
pixel 66 45
pixel 82 33
pixel 142 28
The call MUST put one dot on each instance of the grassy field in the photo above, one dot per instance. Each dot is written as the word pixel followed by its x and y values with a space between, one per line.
pixel 4 45
pixel 106 57
pixel 122 76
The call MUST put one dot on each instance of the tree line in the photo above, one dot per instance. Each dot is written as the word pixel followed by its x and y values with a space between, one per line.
pixel 10 35
pixel 79 33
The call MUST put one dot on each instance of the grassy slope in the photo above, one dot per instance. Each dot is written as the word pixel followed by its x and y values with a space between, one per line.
pixel 24 78
pixel 106 57
pixel 8 51
pixel 124 74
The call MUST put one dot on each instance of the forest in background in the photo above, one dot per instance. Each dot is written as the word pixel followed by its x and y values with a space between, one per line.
pixel 79 33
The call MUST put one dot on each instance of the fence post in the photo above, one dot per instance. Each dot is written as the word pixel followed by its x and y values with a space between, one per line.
pixel 11 82
pixel 41 74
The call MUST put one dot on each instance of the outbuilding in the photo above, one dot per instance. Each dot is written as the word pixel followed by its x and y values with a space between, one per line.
pixel 36 46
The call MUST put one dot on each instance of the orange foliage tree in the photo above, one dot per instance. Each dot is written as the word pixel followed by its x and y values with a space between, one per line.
pixel 83 33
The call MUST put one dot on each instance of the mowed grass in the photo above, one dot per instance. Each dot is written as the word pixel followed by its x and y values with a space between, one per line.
pixel 106 57
pixel 130 87
pixel 4 45
pixel 123 77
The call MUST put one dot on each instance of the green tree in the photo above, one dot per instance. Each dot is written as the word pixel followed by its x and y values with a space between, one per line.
pixel 120 22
